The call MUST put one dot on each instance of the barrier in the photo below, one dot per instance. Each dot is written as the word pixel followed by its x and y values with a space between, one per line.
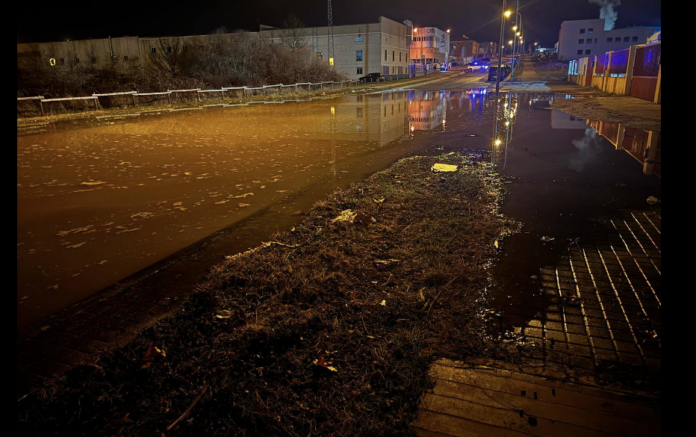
pixel 200 94
pixel 636 71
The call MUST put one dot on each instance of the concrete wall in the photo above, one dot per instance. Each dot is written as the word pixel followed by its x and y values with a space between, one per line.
pixel 373 39
pixel 93 52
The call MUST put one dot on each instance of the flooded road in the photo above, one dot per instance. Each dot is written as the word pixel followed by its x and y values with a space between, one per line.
pixel 98 204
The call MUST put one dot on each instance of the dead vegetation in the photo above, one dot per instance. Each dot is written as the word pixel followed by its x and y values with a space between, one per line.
pixel 225 60
pixel 328 329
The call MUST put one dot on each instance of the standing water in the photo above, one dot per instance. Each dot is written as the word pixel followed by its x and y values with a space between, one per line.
pixel 98 204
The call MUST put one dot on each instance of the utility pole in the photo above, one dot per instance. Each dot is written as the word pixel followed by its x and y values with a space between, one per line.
pixel 501 46
pixel 515 41
pixel 331 38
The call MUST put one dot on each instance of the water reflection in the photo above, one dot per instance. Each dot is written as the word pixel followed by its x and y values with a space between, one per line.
pixel 97 204
pixel 506 109
pixel 644 146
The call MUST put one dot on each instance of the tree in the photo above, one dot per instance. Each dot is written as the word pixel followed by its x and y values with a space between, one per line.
pixel 292 35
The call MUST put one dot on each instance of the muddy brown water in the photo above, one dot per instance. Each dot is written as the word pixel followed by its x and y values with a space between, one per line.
pixel 97 206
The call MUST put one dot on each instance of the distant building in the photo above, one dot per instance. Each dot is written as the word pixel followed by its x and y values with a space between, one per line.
pixel 359 48
pixel 488 49
pixel 581 38
pixel 381 47
pixel 656 37
pixel 430 46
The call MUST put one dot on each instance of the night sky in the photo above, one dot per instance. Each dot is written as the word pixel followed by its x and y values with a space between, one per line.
pixel 58 21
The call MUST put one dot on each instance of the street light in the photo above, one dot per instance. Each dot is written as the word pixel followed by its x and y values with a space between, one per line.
pixel 501 45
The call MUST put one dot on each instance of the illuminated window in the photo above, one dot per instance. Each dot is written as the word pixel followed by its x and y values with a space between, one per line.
pixel 590 30
pixel 359 56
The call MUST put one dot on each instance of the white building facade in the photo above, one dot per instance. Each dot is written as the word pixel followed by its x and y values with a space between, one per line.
pixel 582 38
pixel 430 46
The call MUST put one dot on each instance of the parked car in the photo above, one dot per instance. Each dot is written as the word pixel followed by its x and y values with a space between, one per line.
pixel 372 77
pixel 506 69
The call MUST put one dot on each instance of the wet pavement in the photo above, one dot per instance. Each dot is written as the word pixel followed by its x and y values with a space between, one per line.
pixel 175 193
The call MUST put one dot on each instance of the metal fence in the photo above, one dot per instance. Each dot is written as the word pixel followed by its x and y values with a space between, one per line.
pixel 601 65
pixel 40 105
pixel 635 71
pixel 619 63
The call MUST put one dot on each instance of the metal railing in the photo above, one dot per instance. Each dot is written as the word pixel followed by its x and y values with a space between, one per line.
pixel 200 95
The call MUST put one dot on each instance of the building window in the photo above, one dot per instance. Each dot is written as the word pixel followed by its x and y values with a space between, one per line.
pixel 635 38
pixel 125 58
pixel 400 57
pixel 582 31
pixel 358 56
pixel 579 52
pixel 385 55
pixel 627 39
pixel 360 70
pixel 77 60
pixel 393 56
pixel 169 49
pixel 588 51
pixel 582 41
pixel 153 50
pixel 610 39
pixel 595 40
pixel 94 60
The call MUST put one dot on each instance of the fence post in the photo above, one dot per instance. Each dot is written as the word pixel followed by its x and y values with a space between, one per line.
pixel 629 69
pixel 42 109
pixel 649 163
pixel 607 72
pixel 620 137
pixel 133 96
pixel 658 88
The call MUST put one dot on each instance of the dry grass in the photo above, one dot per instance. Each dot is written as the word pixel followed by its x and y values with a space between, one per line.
pixel 328 329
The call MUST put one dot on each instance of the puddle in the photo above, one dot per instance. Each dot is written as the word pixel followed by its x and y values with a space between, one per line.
pixel 584 275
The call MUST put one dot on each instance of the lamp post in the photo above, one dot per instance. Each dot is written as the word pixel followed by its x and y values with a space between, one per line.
pixel 501 46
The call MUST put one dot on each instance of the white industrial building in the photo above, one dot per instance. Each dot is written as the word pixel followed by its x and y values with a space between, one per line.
pixel 582 38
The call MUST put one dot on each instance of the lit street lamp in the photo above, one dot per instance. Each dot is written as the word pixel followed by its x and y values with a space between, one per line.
pixel 501 45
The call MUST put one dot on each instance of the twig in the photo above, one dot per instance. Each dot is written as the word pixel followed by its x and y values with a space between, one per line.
pixel 188 410
pixel 427 316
